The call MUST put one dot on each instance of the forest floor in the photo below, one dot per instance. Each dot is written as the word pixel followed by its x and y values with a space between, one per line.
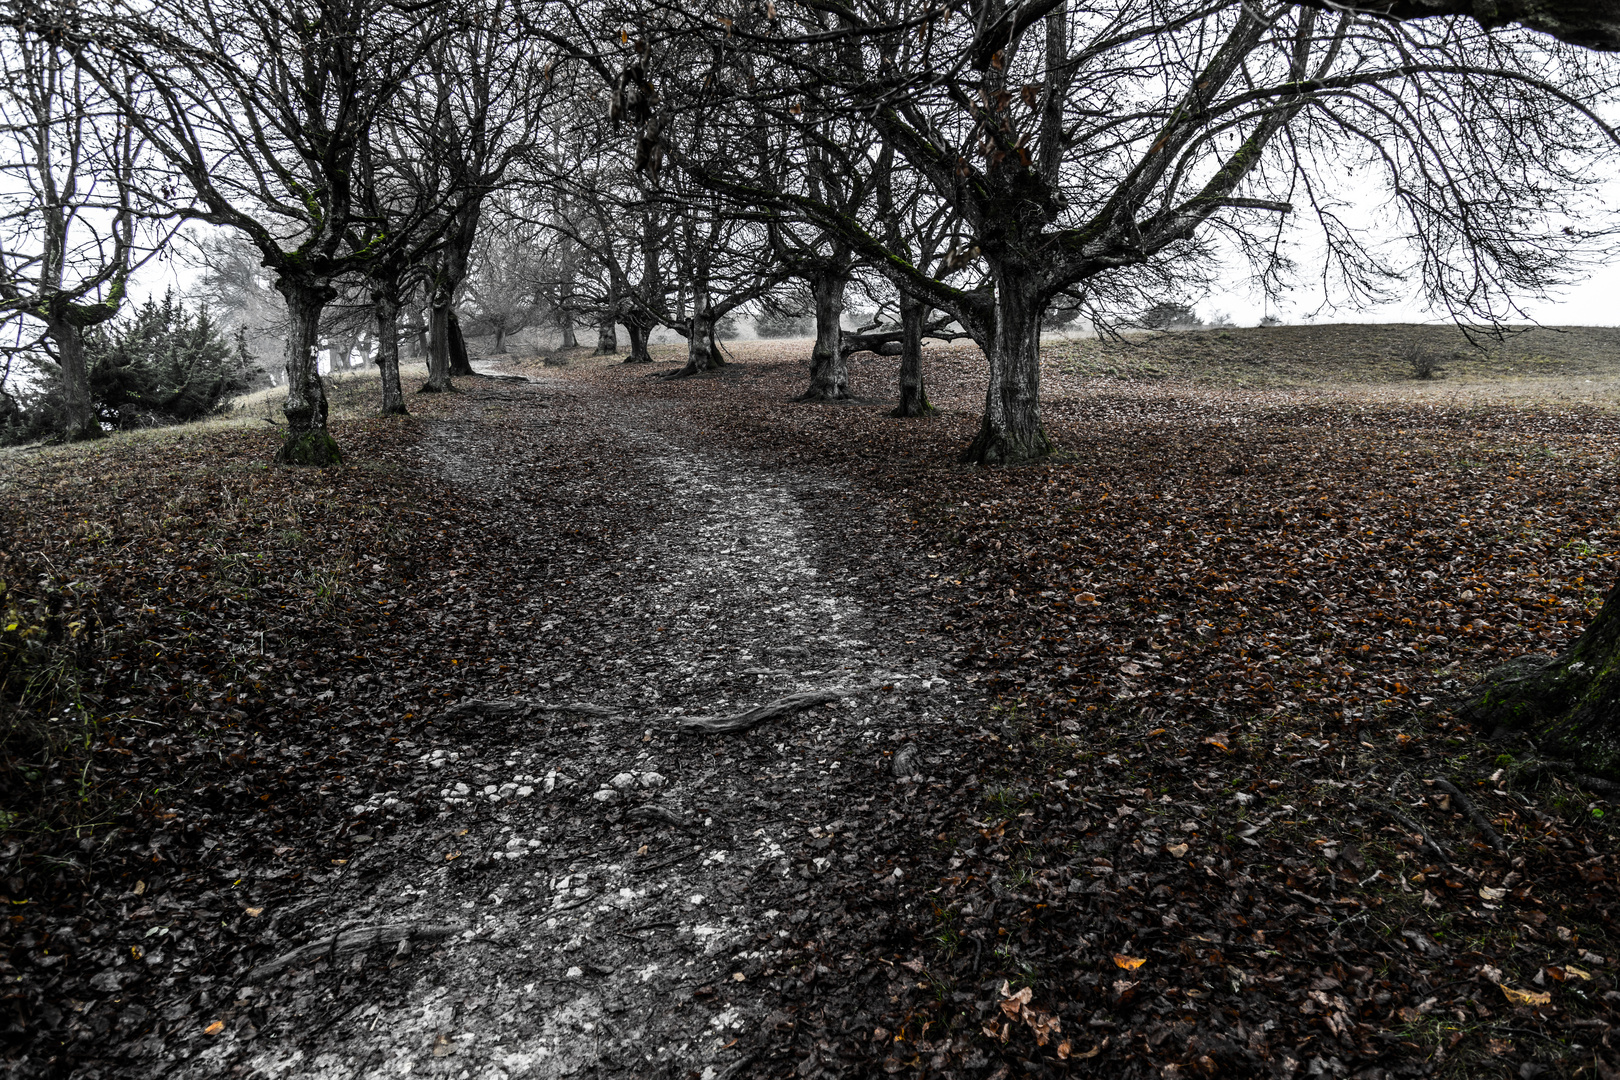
pixel 1142 762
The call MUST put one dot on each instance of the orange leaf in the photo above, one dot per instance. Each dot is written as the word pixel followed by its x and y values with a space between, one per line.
pixel 215 1028
pixel 1129 963
pixel 1526 997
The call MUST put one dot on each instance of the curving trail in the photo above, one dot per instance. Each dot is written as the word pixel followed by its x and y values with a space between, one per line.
pixel 624 899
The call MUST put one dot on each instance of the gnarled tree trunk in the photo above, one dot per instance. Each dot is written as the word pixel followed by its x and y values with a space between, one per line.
pixel 308 442
pixel 701 353
pixel 607 336
pixel 639 333
pixel 385 306
pixel 438 345
pixel 1011 430
pixel 81 420
pixel 1570 705
pixel 500 340
pixel 913 394
pixel 829 373
pixel 459 362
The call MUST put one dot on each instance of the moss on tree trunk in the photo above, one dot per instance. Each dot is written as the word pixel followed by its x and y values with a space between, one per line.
pixel 1570 705
pixel 308 442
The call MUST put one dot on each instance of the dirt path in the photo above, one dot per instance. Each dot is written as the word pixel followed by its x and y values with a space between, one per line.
pixel 622 899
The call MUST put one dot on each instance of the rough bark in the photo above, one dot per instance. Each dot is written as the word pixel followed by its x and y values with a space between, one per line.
pixel 500 340
pixel 386 309
pixel 639 332
pixel 771 710
pixel 308 441
pixel 1570 705
pixel 607 336
pixel 438 346
pixel 1594 24
pixel 701 353
pixel 829 373
pixel 460 364
pixel 569 341
pixel 913 393
pixel 81 414
pixel 1011 430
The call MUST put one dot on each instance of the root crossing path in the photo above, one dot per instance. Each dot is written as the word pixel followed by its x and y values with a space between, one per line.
pixel 593 888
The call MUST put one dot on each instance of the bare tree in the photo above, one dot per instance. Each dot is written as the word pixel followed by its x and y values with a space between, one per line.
pixel 262 110
pixel 74 223
pixel 489 84
pixel 1090 152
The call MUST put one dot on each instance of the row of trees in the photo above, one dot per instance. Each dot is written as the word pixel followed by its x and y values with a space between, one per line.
pixel 975 167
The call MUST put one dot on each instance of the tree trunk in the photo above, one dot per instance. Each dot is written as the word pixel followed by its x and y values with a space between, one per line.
pixel 386 309
pixel 701 354
pixel 1011 430
pixel 829 373
pixel 1570 705
pixel 639 332
pixel 80 421
pixel 459 363
pixel 569 341
pixel 438 350
pixel 308 442
pixel 500 340
pixel 607 336
pixel 913 394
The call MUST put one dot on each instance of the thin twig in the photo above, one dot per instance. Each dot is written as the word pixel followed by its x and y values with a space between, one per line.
pixel 1480 821
pixel 1403 819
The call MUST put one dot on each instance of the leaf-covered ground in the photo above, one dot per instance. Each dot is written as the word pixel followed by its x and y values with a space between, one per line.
pixel 1144 762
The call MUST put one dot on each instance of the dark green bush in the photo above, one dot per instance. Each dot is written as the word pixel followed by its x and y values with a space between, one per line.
pixel 162 364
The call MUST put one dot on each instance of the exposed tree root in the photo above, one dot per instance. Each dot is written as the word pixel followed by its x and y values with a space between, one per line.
pixel 501 378
pixel 656 812
pixel 356 940
pixel 771 710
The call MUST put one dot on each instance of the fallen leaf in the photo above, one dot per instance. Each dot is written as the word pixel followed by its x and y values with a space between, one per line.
pixel 215 1028
pixel 140 887
pixel 1129 963
pixel 1500 1046
pixel 254 912
pixel 1488 893
pixel 1571 969
pixel 1093 1052
pixel 1178 850
pixel 442 1046
pixel 1526 997
pixel 1014 1002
